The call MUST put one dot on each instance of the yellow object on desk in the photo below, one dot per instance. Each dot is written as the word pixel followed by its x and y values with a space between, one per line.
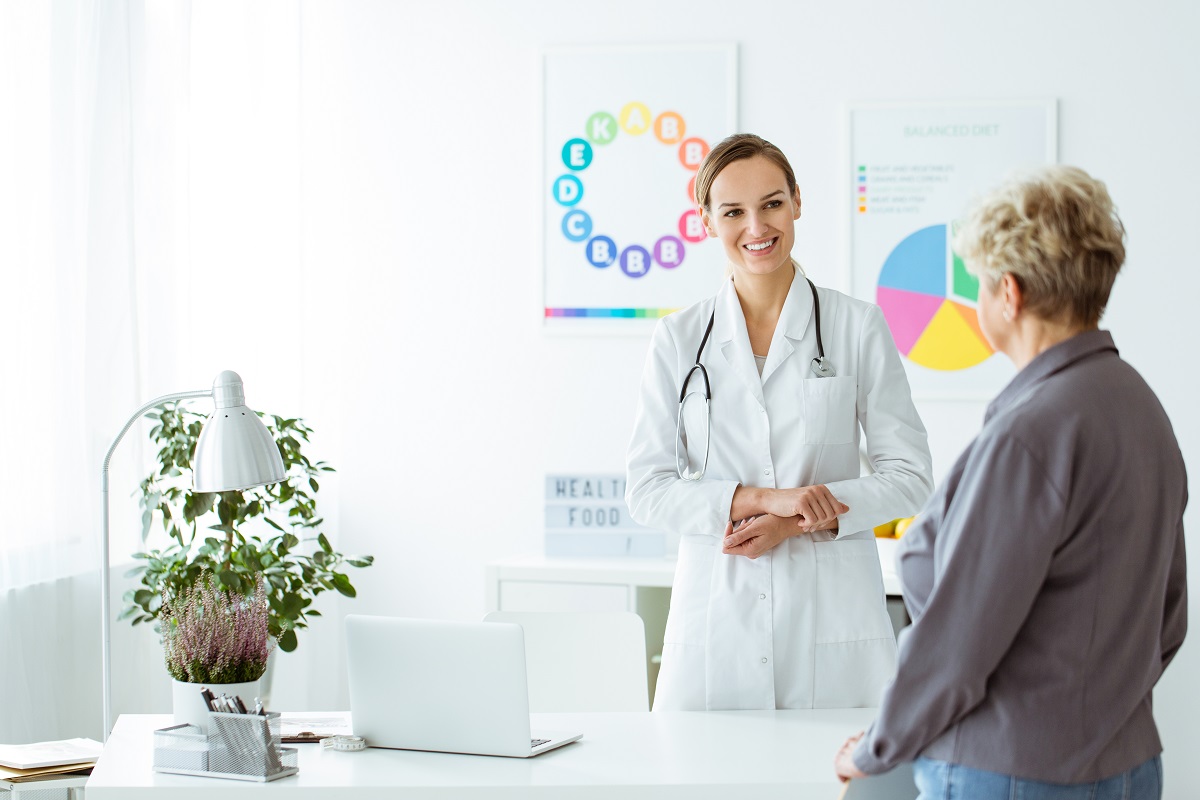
pixel 894 529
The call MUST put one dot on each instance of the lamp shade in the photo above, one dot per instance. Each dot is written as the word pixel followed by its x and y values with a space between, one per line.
pixel 235 450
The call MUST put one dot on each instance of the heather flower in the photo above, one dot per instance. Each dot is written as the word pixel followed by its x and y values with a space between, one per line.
pixel 215 636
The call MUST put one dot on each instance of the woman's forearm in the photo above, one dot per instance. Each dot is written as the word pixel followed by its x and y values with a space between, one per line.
pixel 748 501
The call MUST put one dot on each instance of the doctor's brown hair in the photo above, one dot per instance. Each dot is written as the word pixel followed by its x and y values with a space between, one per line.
pixel 734 148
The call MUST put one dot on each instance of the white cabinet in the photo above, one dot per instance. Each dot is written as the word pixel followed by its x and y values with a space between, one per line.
pixel 641 585
pixel 552 596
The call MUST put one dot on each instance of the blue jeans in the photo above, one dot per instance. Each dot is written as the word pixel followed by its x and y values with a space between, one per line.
pixel 939 780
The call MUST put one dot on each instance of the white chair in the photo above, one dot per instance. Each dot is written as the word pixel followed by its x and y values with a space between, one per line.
pixel 583 661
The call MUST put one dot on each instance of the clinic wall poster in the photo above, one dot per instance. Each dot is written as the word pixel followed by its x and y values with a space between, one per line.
pixel 625 129
pixel 912 173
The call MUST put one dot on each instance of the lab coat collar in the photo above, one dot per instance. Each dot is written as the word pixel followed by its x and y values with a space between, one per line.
pixel 1054 360
pixel 729 332
pixel 793 322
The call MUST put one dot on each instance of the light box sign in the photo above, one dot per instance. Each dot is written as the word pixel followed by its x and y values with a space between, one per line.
pixel 586 516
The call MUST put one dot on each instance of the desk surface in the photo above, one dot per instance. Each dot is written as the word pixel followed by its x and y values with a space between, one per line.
pixel 697 755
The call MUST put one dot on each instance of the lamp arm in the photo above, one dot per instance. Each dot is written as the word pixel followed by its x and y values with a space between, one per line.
pixel 105 626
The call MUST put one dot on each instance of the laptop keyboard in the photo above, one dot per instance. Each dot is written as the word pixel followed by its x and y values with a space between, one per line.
pixel 537 742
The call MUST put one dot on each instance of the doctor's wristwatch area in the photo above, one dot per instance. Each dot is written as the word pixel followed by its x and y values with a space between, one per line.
pixel 693 469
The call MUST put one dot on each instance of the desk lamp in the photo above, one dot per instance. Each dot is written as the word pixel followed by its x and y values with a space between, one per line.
pixel 235 451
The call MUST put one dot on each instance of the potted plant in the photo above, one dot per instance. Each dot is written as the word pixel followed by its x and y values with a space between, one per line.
pixel 268 536
pixel 214 639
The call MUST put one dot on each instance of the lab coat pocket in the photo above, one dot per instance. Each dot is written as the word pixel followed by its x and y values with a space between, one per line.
pixel 830 406
pixel 852 674
pixel 850 603
pixel 688 616
pixel 855 650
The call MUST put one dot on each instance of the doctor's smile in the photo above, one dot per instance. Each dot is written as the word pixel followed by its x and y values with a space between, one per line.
pixel 759 247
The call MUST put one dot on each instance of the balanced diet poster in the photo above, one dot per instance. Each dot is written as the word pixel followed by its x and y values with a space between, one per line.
pixel 625 129
pixel 914 169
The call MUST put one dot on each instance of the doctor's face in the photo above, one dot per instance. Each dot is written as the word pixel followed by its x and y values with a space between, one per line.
pixel 752 213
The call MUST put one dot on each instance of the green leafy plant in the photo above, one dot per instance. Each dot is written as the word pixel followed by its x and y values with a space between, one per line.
pixel 296 561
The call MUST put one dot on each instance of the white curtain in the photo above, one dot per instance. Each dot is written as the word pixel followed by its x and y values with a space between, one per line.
pixel 68 310
pixel 150 236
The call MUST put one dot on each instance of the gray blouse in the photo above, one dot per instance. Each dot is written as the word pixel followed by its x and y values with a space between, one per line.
pixel 1046 582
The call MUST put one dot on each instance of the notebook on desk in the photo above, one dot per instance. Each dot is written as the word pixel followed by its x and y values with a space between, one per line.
pixel 454 687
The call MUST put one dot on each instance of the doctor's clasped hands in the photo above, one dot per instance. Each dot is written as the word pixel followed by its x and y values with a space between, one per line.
pixel 777 515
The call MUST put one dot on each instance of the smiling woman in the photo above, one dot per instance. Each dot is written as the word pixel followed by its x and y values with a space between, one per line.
pixel 786 609
pixel 732 171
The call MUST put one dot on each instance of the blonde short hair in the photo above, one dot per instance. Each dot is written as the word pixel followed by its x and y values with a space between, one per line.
pixel 1056 231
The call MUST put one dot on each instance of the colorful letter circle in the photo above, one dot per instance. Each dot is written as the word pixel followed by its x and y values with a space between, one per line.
pixel 601 128
pixel 577 225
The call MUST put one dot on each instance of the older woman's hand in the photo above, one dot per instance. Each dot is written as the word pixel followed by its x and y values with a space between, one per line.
pixel 843 764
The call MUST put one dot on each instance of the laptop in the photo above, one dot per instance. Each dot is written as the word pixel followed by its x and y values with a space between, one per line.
pixel 451 687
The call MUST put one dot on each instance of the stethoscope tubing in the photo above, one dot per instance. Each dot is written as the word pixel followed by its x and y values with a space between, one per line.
pixel 819 367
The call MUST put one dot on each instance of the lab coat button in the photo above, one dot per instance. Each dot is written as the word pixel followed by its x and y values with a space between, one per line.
pixel 767 472
pixel 762 597
pixel 764 659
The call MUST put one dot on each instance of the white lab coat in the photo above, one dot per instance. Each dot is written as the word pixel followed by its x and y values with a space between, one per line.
pixel 805 625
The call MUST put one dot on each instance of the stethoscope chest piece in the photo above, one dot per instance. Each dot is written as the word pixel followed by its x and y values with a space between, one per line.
pixel 822 368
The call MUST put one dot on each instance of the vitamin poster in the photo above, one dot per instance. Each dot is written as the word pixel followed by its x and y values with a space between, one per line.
pixel 624 131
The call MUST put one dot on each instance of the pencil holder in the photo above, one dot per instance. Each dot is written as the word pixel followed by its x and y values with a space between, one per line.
pixel 183 747
pixel 238 746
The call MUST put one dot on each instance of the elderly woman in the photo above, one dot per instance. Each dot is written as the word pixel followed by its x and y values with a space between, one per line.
pixel 1045 577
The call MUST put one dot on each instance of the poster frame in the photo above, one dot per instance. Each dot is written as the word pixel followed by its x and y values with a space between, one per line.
pixel 606 326
pixel 850 278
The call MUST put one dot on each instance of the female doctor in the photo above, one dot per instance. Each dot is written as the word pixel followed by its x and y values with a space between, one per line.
pixel 785 609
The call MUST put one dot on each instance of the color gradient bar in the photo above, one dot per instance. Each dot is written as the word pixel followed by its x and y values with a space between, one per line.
pixel 611 313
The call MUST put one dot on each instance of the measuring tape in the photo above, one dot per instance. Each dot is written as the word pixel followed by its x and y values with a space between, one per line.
pixel 344 744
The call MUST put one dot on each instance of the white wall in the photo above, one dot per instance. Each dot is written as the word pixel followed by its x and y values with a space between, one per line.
pixel 422 364
pixel 448 402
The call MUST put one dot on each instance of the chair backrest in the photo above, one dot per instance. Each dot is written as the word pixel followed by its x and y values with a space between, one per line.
pixel 583 661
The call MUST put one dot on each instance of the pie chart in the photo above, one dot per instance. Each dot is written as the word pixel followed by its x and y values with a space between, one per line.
pixel 928 299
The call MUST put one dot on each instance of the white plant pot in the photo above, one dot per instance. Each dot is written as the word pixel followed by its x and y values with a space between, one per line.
pixel 189 706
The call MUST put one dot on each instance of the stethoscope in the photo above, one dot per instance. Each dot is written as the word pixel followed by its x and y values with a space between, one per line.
pixel 820 367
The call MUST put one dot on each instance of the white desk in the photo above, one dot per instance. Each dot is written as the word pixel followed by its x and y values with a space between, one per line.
pixel 697 755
